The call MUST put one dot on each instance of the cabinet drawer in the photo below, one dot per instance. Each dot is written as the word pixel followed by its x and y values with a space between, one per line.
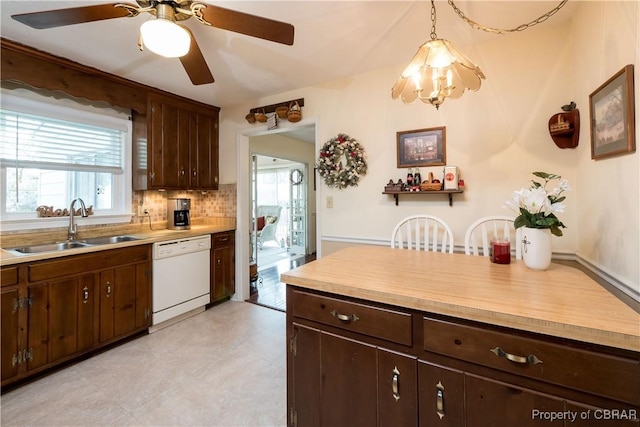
pixel 9 276
pixel 222 239
pixel 603 374
pixel 389 325
pixel 78 264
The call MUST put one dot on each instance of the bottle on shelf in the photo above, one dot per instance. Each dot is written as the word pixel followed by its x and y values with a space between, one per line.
pixel 417 177
pixel 409 178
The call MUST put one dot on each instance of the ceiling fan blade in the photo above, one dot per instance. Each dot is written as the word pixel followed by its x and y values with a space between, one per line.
pixel 74 15
pixel 195 65
pixel 251 25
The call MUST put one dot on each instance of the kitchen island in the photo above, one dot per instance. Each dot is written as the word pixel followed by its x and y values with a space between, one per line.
pixel 381 336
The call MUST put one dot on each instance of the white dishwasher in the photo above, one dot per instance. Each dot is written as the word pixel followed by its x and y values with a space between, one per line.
pixel 181 281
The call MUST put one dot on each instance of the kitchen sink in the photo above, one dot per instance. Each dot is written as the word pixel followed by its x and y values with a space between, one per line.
pixel 50 247
pixel 63 246
pixel 109 239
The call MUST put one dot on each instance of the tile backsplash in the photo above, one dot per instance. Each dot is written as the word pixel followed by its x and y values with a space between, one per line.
pixel 204 204
pixel 210 207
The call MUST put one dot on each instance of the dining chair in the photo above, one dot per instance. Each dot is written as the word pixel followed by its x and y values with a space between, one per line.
pixel 479 234
pixel 423 232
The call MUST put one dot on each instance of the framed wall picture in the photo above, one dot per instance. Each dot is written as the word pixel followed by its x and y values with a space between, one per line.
pixel 612 114
pixel 422 147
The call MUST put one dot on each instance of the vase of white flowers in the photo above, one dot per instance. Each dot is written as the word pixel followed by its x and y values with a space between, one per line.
pixel 536 207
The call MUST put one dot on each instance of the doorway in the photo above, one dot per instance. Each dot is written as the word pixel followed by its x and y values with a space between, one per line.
pixel 261 141
pixel 279 200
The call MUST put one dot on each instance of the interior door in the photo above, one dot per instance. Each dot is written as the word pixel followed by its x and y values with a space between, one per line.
pixel 298 210
pixel 254 209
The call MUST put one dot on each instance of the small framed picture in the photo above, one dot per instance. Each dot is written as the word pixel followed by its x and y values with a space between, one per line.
pixel 612 114
pixel 422 147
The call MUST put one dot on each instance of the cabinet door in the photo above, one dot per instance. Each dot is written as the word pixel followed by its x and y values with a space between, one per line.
pixel 222 267
pixel 61 319
pixel 87 301
pixel 441 396
pixel 106 305
pixel 168 161
pixel 303 379
pixel 397 389
pixel 349 382
pixel 203 151
pixel 143 295
pixel 10 333
pixel 492 403
pixel 117 302
pixel 124 311
pixel 38 325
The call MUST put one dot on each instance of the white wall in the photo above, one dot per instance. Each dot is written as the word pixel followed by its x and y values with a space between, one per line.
pixel 606 38
pixel 497 136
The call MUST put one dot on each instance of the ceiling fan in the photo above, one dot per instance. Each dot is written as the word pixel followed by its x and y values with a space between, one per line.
pixel 167 13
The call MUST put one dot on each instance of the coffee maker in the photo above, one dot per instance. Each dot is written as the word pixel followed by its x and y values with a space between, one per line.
pixel 178 214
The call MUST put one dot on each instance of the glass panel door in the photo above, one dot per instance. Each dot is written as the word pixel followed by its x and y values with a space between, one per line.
pixel 298 210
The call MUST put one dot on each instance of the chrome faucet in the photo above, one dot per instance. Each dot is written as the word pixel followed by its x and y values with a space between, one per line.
pixel 73 228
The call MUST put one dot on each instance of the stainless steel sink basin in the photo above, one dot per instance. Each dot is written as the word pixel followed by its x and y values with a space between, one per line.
pixel 63 246
pixel 109 239
pixel 50 247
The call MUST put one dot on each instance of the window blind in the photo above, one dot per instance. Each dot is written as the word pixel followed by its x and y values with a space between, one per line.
pixel 32 141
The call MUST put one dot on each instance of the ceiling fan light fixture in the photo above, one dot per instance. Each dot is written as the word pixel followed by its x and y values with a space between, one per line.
pixel 165 38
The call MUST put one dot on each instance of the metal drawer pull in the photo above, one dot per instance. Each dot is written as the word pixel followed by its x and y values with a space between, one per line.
pixel 85 295
pixel 344 317
pixel 440 400
pixel 394 383
pixel 530 359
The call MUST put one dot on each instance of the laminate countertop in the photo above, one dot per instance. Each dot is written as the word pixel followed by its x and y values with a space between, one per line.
pixel 144 237
pixel 561 301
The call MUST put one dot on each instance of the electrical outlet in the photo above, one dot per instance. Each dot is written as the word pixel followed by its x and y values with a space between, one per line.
pixel 143 210
pixel 329 202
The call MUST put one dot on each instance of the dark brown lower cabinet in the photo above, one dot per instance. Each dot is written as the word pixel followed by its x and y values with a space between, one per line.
pixel 357 363
pixel 345 382
pixel 61 319
pixel 441 396
pixel 349 386
pixel 223 265
pixel 493 403
pixel 9 323
pixel 63 308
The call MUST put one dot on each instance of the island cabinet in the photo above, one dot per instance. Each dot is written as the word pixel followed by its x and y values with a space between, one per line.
pixel 353 362
pixel 223 266
pixel 58 309
pixel 176 145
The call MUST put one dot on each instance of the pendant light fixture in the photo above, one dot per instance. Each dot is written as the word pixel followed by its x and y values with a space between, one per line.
pixel 437 71
pixel 163 36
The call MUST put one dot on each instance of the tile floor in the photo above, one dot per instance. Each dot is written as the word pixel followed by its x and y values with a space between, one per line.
pixel 223 367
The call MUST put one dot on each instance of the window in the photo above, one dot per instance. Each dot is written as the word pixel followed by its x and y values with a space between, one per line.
pixel 51 154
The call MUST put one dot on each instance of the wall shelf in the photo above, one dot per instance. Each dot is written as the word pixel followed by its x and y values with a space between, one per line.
pixel 450 193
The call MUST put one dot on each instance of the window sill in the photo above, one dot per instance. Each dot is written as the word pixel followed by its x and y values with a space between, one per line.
pixel 59 222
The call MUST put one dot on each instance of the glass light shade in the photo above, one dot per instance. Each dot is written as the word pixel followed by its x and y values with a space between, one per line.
pixel 165 37
pixel 437 71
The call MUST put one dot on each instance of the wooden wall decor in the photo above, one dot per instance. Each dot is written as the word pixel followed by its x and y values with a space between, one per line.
pixel 272 108
pixel 564 127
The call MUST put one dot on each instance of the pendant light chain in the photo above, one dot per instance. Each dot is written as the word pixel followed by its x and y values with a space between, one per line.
pixel 477 26
pixel 433 21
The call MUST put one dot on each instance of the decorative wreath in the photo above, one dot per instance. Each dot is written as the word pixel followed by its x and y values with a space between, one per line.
pixel 341 163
